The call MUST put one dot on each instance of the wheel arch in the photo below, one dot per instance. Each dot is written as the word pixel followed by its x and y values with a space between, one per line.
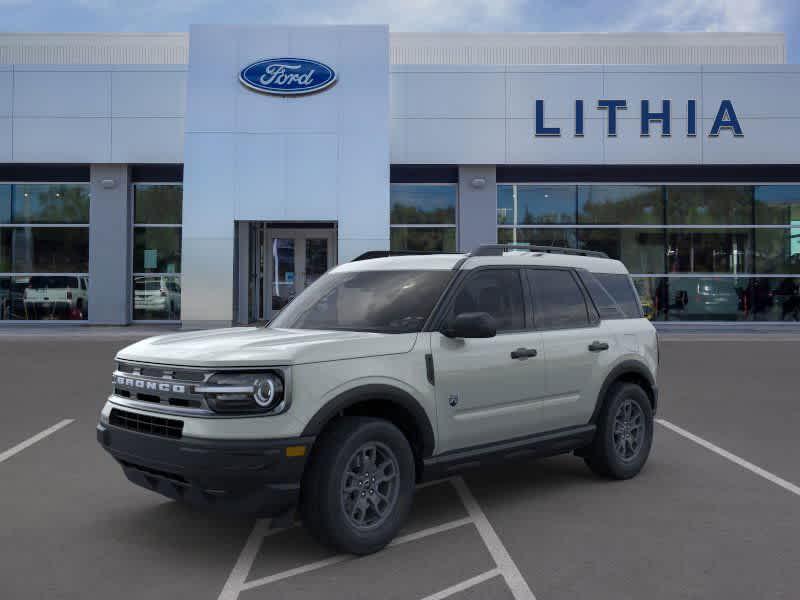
pixel 630 371
pixel 383 401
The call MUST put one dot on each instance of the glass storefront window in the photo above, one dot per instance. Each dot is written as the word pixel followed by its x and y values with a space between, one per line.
pixel 44 204
pixel 562 238
pixel 709 205
pixel 777 205
pixel 778 250
pixel 157 250
pixel 423 239
pixel 642 250
pixel 620 204
pixel 157 214
pixel 710 251
pixel 44 251
pixel 778 299
pixel 706 299
pixel 423 204
pixel 535 204
pixel 413 205
pixel 156 297
pixel 550 205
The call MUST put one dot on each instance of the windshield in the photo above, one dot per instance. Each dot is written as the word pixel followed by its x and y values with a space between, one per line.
pixel 380 301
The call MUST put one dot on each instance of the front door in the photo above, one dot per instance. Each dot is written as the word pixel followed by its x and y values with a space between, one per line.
pixel 294 259
pixel 283 262
pixel 492 389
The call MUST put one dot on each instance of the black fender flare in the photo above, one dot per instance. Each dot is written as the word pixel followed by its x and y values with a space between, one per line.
pixel 380 392
pixel 624 368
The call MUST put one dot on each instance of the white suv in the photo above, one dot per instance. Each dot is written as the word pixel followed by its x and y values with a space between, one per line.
pixel 386 372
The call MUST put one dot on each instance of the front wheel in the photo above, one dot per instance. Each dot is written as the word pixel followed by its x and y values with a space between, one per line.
pixel 358 489
pixel 624 433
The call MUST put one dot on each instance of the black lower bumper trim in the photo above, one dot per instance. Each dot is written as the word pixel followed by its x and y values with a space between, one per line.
pixel 242 476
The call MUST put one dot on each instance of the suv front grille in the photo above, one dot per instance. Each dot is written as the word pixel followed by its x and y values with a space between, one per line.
pixel 165 386
pixel 171 428
pixel 162 372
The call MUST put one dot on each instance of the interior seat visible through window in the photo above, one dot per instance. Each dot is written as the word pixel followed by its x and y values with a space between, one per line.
pixel 497 292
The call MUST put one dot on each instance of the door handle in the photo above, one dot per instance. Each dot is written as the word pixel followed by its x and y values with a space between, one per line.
pixel 598 346
pixel 523 353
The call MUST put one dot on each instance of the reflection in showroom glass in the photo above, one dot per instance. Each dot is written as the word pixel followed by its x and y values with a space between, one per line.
pixel 158 204
pixel 423 239
pixel 44 249
pixel 38 203
pixel 157 249
pixel 613 204
pixel 44 298
pixel 423 204
pixel 720 298
pixel 156 297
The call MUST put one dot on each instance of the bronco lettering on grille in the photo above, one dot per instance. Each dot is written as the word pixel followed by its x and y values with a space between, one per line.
pixel 155 386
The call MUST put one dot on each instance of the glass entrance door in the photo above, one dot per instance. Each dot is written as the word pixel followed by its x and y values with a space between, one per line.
pixel 293 259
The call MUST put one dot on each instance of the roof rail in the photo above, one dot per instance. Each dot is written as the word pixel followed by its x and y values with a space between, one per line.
pixel 498 249
pixel 385 253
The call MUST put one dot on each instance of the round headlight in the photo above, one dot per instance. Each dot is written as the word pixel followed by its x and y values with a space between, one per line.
pixel 268 391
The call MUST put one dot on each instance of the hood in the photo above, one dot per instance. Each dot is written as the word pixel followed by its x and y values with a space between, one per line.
pixel 259 346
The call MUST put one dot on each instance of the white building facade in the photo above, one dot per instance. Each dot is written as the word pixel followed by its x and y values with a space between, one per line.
pixel 143 177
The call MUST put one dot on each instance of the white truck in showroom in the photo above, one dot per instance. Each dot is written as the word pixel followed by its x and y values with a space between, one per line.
pixel 387 372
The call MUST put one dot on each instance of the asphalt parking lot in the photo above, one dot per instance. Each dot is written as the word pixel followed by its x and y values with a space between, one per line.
pixel 715 513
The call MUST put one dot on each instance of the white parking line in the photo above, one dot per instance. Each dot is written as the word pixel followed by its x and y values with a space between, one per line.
pixel 240 571
pixel 33 439
pixel 464 585
pixel 771 477
pixel 333 560
pixel 237 580
pixel 505 564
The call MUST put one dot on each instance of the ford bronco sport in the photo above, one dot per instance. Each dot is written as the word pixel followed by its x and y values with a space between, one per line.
pixel 387 372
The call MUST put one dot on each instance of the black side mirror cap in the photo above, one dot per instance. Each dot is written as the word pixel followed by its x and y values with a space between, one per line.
pixel 471 325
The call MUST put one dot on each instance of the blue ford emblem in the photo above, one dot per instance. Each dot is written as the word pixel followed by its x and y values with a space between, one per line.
pixel 287 76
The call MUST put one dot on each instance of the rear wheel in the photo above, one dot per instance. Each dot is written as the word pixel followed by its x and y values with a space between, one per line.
pixel 358 489
pixel 624 433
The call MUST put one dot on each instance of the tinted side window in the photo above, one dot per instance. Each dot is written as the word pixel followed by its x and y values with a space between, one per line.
pixel 606 305
pixel 622 290
pixel 558 300
pixel 497 292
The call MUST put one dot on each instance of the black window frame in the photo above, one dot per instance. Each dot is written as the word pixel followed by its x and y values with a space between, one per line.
pixel 592 315
pixel 442 309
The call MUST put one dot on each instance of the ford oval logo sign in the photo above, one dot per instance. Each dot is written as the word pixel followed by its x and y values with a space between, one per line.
pixel 287 76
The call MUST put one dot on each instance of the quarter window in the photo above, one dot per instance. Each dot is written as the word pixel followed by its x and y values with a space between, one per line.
pixel 558 300
pixel 621 289
pixel 497 292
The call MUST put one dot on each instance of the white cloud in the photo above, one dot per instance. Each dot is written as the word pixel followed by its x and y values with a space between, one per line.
pixel 417 15
pixel 705 15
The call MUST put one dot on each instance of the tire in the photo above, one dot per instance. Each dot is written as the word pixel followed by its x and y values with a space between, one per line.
pixel 620 455
pixel 333 502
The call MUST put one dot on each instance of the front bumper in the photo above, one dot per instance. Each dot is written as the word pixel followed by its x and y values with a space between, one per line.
pixel 242 476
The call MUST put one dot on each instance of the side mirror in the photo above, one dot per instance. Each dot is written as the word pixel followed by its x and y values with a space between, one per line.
pixel 471 325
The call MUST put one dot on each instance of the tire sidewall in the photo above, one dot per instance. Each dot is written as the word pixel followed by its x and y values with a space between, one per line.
pixel 619 468
pixel 339 529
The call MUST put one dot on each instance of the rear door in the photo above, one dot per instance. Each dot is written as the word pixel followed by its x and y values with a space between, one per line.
pixel 488 390
pixel 577 345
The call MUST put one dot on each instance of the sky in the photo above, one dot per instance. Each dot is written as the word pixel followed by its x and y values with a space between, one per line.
pixel 413 15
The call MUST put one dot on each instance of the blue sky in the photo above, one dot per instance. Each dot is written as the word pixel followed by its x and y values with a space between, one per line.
pixel 414 15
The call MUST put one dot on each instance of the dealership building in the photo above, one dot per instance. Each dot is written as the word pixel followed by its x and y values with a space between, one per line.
pixel 208 177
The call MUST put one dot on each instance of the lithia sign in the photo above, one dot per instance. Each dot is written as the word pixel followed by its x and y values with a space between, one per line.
pixel 725 120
